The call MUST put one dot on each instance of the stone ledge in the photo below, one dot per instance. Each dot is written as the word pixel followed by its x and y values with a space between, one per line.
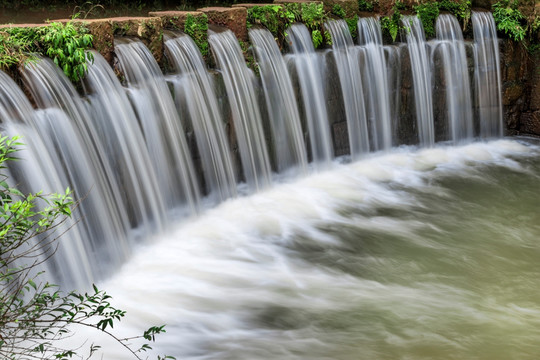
pixel 250 5
pixel 15 26
pixel 174 20
pixel 530 123
pixel 349 6
pixel 297 1
pixel 148 29
pixel 102 32
pixel 234 19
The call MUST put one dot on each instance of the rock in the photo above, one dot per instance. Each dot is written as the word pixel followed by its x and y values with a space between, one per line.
pixel 249 5
pixel 512 118
pixel 148 29
pixel 341 138
pixel 234 19
pixel 174 20
pixel 485 4
pixel 512 92
pixel 511 72
pixel 535 85
pixel 297 1
pixel 349 6
pixel 102 32
pixel 530 123
pixel 10 26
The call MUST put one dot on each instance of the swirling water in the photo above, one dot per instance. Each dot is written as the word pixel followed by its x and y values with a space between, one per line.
pixel 410 254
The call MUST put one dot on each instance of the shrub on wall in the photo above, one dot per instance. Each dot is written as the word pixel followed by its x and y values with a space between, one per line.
pixel 197 28
pixel 66 44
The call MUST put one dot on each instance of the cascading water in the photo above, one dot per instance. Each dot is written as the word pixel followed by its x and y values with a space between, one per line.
pixel 161 125
pixel 288 143
pixel 272 275
pixel 198 90
pixel 348 64
pixel 77 148
pixel 111 111
pixel 456 76
pixel 376 80
pixel 487 75
pixel 309 68
pixel 239 82
pixel 421 72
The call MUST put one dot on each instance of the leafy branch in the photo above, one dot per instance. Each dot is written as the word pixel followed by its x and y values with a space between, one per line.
pixel 34 315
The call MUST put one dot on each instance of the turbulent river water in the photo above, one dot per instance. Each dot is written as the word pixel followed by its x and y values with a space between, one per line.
pixel 408 254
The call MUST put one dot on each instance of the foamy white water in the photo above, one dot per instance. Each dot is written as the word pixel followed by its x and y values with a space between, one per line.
pixel 412 254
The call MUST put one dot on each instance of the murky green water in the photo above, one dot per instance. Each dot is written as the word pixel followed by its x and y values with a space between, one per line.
pixel 431 254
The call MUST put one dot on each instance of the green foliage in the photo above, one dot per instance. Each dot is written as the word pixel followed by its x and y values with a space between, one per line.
pixel 399 5
pixel 197 28
pixel 317 38
pixel 67 45
pixel 269 16
pixel 534 49
pixel 366 5
pixel 314 17
pixel 15 46
pixel 461 9
pixel 248 57
pixel 509 19
pixel 338 11
pixel 277 18
pixel 352 23
pixel 34 315
pixel 390 25
pixel 428 13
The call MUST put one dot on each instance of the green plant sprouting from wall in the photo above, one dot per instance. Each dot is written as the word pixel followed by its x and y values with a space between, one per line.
pixel 428 13
pixel 16 46
pixel 391 25
pixel 314 17
pixel 66 44
pixel 197 28
pixel 248 57
pixel 352 22
pixel 460 9
pixel 367 5
pixel 269 16
pixel 277 18
pixel 338 11
pixel 509 19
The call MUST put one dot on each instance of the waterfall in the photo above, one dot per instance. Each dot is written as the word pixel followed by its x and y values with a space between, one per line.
pixel 456 77
pixel 239 82
pixel 205 115
pixel 309 68
pixel 114 116
pixel 56 155
pixel 421 73
pixel 161 125
pixel 348 64
pixel 376 80
pixel 285 124
pixel 138 152
pixel 487 75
